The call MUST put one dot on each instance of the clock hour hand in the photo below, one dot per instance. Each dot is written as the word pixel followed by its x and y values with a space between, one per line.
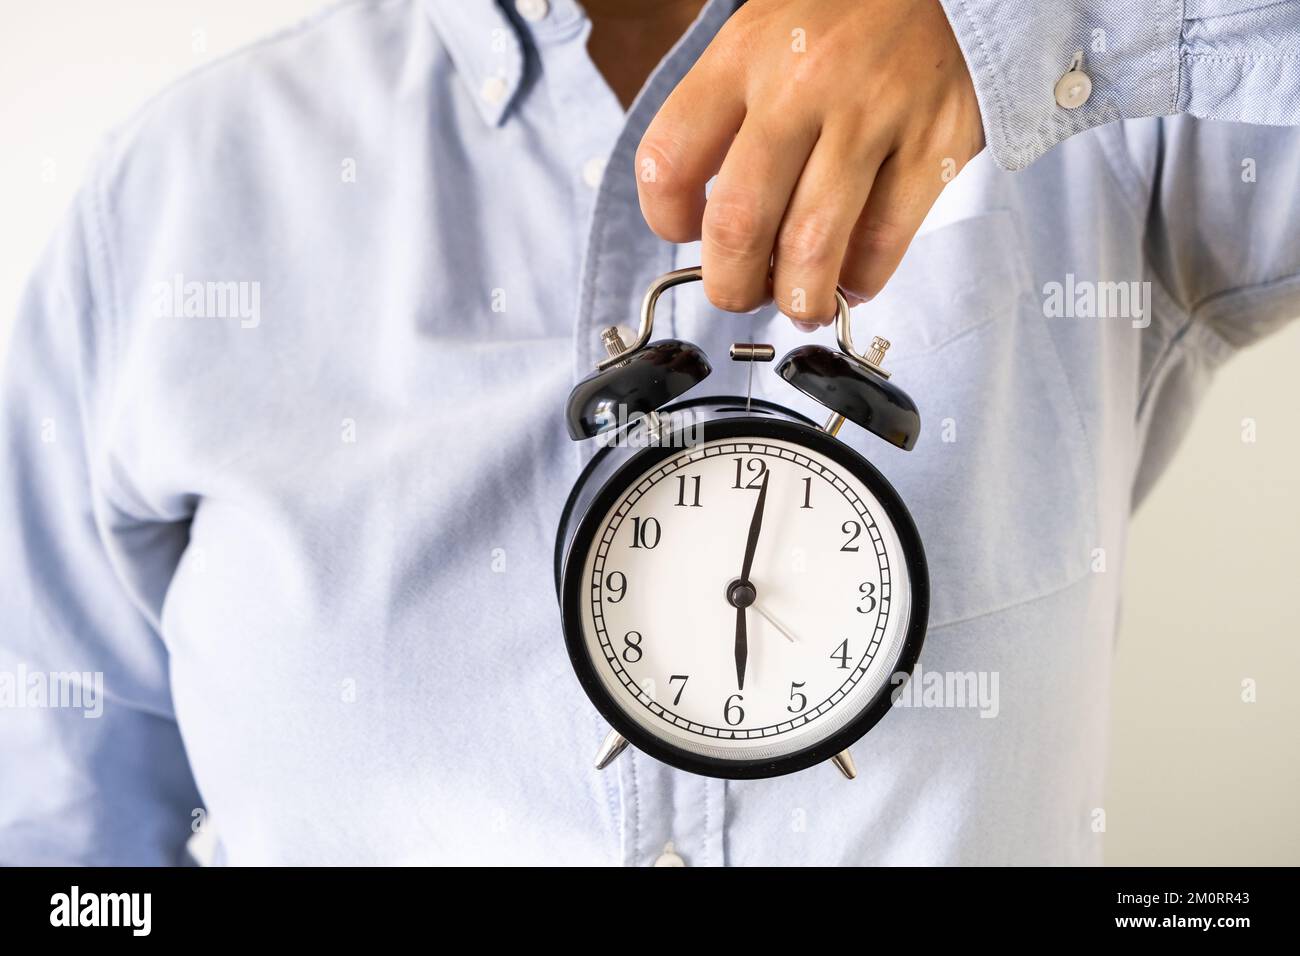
pixel 742 648
pixel 740 595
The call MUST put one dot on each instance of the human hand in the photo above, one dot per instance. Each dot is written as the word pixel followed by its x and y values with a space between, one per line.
pixel 832 127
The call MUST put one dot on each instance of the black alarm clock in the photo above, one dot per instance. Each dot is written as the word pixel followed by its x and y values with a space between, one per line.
pixel 741 592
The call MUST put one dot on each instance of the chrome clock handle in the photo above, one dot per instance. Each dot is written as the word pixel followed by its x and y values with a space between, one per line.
pixel 843 323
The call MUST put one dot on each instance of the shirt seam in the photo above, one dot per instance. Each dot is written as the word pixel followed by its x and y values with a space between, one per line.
pixel 106 305
pixel 636 812
pixel 1158 367
pixel 1201 317
pixel 705 855
pixel 1242 57
pixel 283 35
pixel 1119 164
pixel 611 795
pixel 1180 53
pixel 104 302
pixel 1012 605
pixel 1228 304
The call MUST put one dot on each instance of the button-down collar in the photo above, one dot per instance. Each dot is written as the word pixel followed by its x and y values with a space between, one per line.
pixel 485 47
pixel 484 41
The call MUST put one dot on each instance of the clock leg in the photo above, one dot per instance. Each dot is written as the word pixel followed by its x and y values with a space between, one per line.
pixel 843 760
pixel 613 746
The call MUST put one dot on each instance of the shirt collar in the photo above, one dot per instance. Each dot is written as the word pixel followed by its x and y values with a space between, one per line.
pixel 485 48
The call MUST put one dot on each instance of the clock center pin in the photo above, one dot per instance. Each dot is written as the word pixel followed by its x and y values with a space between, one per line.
pixel 741 594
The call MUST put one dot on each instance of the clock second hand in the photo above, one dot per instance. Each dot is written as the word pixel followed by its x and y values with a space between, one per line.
pixel 771 619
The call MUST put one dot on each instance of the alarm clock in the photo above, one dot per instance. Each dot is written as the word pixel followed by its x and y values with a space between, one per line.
pixel 740 591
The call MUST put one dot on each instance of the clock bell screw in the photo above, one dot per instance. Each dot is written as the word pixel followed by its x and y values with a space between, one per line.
pixel 613 340
pixel 876 356
pixel 873 359
pixel 844 761
pixel 614 745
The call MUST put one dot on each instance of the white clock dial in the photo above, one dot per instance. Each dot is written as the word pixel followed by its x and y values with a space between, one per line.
pixel 831 599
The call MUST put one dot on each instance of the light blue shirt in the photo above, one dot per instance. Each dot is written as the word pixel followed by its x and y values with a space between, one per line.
pixel 284 454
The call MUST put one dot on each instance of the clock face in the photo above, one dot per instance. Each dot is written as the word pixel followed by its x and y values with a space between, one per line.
pixel 746 599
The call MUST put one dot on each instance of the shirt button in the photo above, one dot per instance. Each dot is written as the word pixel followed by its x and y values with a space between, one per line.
pixel 593 171
pixel 1074 88
pixel 532 10
pixel 493 89
pixel 669 857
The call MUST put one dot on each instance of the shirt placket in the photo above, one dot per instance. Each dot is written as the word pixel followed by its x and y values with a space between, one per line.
pixel 664 816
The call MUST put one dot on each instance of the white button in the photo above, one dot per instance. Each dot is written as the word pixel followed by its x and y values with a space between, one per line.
pixel 592 171
pixel 1073 89
pixel 494 89
pixel 669 857
pixel 532 10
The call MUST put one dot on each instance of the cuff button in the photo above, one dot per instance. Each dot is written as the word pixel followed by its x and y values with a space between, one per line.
pixel 1074 88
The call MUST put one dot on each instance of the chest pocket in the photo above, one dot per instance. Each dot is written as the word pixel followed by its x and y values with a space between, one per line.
pixel 1001 482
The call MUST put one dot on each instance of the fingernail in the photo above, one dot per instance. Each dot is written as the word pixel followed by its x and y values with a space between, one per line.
pixel 805 326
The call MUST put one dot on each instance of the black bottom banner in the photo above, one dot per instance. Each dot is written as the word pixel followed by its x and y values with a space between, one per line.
pixel 216 905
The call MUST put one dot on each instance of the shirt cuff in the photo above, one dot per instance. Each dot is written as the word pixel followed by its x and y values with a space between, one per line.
pixel 1018 52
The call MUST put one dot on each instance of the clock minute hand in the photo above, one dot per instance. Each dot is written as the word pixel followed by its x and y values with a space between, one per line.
pixel 755 526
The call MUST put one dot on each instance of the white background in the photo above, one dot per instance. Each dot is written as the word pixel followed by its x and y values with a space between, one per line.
pixel 1197 776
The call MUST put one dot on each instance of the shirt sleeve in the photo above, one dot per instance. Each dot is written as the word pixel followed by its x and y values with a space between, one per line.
pixel 1214 59
pixel 92 767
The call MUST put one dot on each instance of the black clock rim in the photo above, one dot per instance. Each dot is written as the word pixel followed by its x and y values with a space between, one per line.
pixel 642 739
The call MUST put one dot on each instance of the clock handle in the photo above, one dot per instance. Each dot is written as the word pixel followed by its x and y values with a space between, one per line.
pixel 646 327
pixel 843 324
pixel 636 379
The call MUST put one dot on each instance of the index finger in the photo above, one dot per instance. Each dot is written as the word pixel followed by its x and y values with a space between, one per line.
pixel 684 146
